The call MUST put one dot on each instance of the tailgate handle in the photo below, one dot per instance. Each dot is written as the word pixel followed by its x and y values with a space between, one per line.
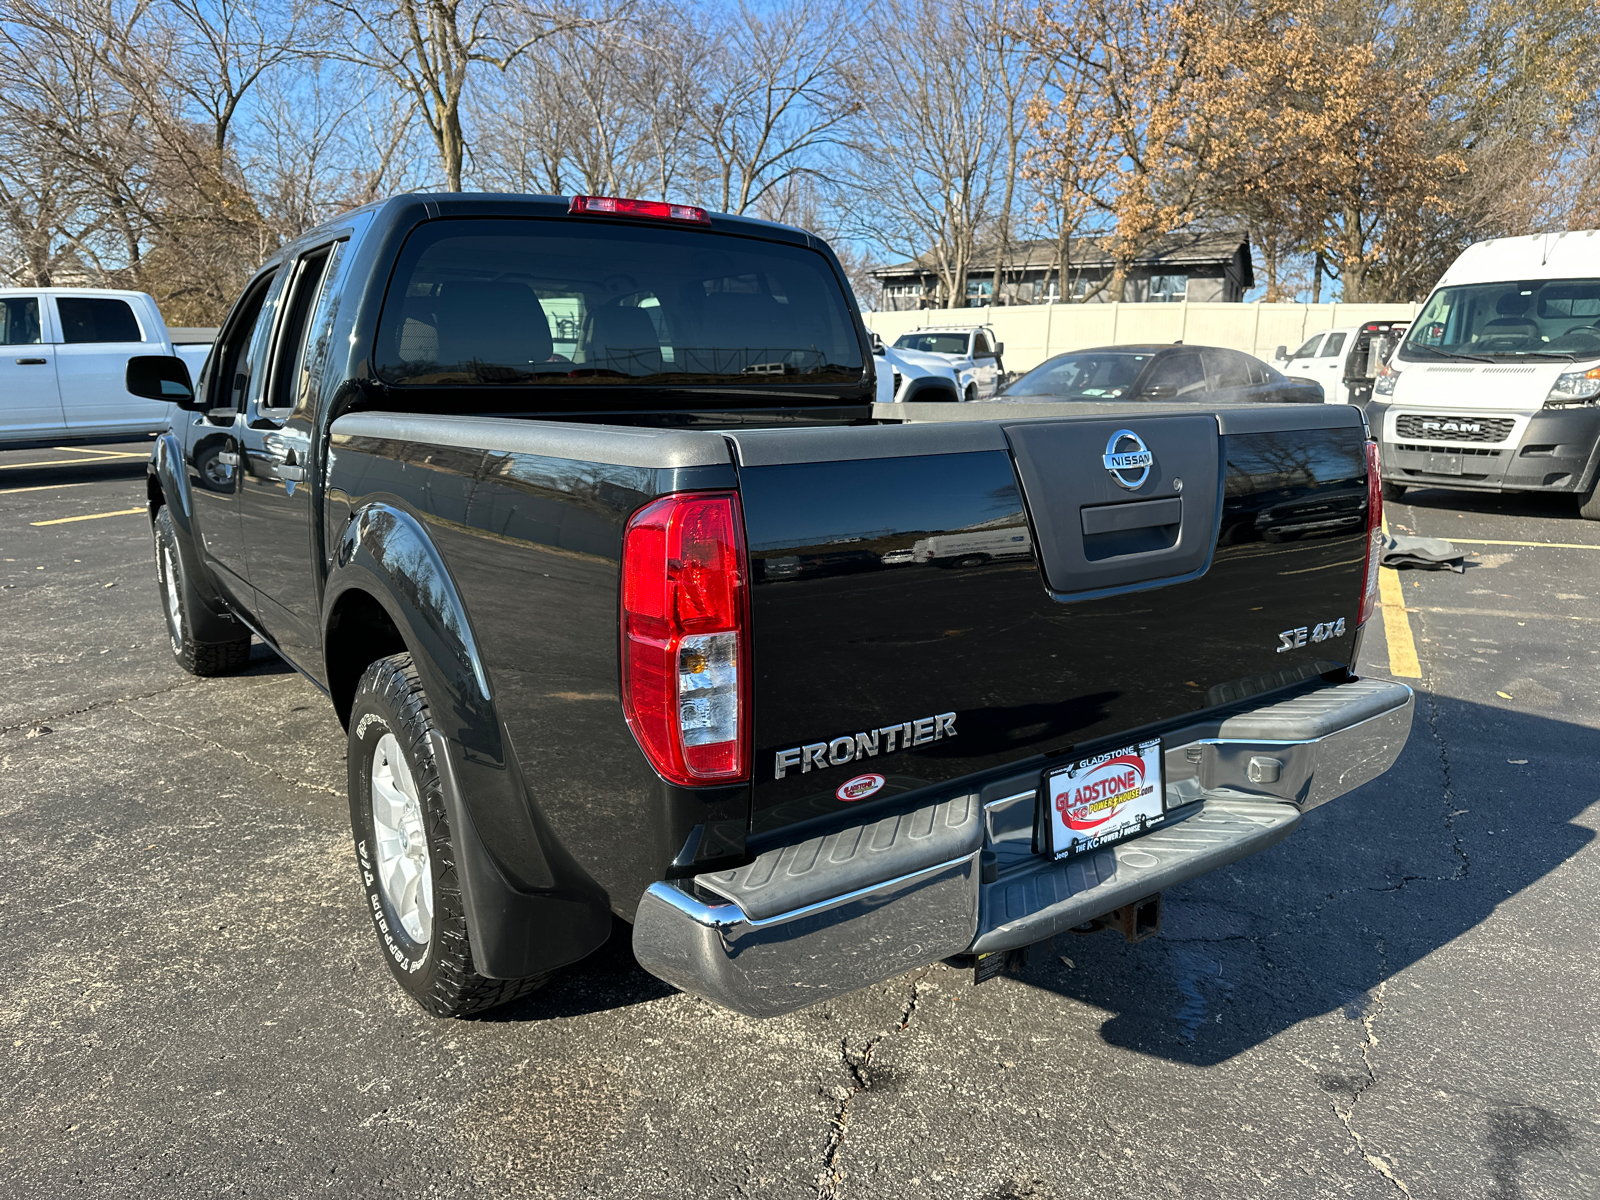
pixel 1142 514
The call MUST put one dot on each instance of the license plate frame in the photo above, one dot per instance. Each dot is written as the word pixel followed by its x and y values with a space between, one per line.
pixel 1102 800
pixel 1443 464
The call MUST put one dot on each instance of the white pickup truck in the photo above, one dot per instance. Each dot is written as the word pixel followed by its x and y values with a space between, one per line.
pixel 65 352
pixel 970 349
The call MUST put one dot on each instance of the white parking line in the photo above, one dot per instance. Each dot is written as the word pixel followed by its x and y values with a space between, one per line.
pixel 1543 545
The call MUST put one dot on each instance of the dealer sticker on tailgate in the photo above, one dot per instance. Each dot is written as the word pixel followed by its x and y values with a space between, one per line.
pixel 1104 799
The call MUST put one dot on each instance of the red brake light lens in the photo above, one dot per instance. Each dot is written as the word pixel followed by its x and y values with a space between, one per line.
pixel 1369 596
pixel 655 210
pixel 685 637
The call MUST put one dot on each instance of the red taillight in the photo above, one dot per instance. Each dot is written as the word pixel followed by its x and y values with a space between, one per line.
pixel 655 210
pixel 1369 597
pixel 685 637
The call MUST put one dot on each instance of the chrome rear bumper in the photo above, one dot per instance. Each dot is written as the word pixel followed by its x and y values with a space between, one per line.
pixel 777 937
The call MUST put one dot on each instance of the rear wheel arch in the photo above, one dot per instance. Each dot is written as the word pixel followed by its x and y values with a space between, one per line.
pixel 358 632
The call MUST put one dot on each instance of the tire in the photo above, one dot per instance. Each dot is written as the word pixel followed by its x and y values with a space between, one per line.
pixel 972 394
pixel 1393 493
pixel 1589 501
pixel 178 602
pixel 970 560
pixel 408 868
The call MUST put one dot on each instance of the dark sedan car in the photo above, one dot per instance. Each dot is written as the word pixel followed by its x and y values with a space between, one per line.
pixel 1165 373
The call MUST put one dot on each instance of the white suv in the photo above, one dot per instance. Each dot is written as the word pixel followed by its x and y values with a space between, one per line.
pixel 970 349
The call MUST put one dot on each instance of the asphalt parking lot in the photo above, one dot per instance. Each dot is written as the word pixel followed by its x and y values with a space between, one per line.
pixel 1402 1000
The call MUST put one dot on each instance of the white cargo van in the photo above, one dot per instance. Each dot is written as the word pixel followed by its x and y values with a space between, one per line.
pixel 1497 385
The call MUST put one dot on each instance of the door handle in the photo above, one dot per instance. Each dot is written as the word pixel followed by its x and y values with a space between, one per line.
pixel 32 362
pixel 294 474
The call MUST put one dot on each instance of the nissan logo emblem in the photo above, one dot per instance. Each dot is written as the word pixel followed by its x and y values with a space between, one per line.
pixel 1126 454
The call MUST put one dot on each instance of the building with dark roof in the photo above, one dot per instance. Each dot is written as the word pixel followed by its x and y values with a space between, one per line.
pixel 1181 266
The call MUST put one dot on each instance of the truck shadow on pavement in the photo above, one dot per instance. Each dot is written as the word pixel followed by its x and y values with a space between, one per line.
pixel 1549 506
pixel 1481 805
pixel 90 470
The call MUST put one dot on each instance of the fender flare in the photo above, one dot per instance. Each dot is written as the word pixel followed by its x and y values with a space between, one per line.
pixel 521 919
pixel 929 389
pixel 213 621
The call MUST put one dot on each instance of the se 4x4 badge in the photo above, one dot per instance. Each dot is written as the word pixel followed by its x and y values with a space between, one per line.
pixel 1293 639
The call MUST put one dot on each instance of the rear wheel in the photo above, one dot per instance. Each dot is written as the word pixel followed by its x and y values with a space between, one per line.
pixel 404 848
pixel 178 602
pixel 1393 492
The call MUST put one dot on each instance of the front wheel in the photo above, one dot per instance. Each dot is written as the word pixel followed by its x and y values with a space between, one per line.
pixel 404 848
pixel 972 393
pixel 178 603
pixel 1393 493
pixel 1589 501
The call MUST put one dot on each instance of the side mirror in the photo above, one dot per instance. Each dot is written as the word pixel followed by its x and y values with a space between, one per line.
pixel 877 344
pixel 160 377
pixel 999 349
pixel 1282 353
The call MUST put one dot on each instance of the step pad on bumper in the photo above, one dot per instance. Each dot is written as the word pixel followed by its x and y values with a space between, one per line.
pixel 793 877
pixel 1029 906
pixel 1316 715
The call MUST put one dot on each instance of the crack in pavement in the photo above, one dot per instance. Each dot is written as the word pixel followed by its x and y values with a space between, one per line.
pixel 1356 1089
pixel 99 704
pixel 260 766
pixel 859 1063
pixel 1446 783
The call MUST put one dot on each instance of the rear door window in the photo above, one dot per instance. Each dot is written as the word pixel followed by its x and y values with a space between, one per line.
pixel 1181 372
pixel 547 302
pixel 1333 345
pixel 96 319
pixel 1228 368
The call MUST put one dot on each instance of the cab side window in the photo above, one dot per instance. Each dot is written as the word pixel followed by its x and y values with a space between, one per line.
pixel 308 276
pixel 1309 350
pixel 239 358
pixel 981 347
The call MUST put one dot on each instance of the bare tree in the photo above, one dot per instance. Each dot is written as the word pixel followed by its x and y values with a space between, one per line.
pixel 427 48
pixel 774 91
pixel 923 175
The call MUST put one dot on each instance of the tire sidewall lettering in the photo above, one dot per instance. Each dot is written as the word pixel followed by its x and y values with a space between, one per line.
pixel 406 955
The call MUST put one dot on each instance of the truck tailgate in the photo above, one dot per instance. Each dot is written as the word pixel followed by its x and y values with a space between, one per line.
pixel 935 600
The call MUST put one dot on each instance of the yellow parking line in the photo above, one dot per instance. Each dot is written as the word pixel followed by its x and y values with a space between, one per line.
pixel 44 487
pixel 1545 545
pixel 121 512
pixel 81 450
pixel 63 462
pixel 1397 626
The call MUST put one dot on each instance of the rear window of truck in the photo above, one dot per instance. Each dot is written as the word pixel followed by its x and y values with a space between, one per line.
pixel 541 301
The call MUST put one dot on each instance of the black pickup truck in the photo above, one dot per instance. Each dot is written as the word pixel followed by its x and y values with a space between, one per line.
pixel 581 513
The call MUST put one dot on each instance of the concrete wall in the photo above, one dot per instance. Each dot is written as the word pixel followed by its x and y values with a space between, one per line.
pixel 1033 332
